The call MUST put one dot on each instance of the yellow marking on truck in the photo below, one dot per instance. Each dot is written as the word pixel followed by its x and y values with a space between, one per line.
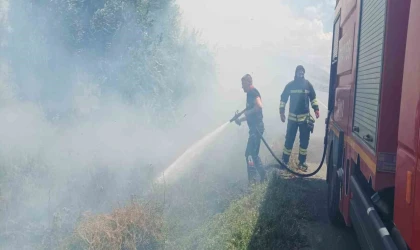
pixel 369 162
pixel 334 129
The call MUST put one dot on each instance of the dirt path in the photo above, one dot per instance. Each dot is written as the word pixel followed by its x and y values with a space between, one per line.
pixel 321 234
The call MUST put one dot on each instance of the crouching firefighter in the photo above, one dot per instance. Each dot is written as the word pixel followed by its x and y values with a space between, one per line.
pixel 254 117
pixel 301 92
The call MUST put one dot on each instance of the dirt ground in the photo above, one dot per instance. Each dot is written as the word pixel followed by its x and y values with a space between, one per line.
pixel 323 235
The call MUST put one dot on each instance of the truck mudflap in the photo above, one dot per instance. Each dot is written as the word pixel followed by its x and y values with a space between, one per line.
pixel 371 231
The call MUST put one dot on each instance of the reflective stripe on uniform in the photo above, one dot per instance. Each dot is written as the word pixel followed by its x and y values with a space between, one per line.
pixel 282 104
pixel 298 118
pixel 314 102
pixel 303 151
pixel 292 119
pixel 287 151
pixel 299 91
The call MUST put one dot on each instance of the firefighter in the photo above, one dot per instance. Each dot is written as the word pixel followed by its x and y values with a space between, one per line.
pixel 301 92
pixel 254 118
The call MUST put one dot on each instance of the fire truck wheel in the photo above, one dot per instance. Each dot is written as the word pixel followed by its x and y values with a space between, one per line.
pixel 334 213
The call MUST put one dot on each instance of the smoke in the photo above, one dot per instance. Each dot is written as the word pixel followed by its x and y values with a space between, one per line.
pixel 99 97
pixel 264 38
pixel 94 106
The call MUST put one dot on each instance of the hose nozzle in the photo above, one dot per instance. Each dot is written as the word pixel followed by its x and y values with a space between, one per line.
pixel 237 115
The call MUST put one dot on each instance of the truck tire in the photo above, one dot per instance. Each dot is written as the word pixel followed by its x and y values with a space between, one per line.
pixel 333 202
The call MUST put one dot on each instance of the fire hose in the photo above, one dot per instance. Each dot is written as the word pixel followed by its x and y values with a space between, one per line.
pixel 281 163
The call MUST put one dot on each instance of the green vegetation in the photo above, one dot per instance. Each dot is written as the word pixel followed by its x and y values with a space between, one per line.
pixel 135 48
pixel 270 216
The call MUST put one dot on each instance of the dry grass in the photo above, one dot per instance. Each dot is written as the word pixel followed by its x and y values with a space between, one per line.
pixel 130 227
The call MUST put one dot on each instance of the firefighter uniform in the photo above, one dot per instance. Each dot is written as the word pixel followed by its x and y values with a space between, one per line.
pixel 301 92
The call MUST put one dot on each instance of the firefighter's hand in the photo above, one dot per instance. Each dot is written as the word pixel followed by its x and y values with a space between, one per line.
pixel 282 117
pixel 317 114
pixel 237 121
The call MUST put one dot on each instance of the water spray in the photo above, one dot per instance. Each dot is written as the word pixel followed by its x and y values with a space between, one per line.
pixel 180 165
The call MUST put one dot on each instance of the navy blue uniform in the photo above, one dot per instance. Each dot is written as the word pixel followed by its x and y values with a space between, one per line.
pixel 301 92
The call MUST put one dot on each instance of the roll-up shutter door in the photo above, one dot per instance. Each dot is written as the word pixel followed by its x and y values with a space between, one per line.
pixel 369 70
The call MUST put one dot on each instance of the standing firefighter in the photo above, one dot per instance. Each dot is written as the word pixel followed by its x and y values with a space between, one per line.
pixel 300 91
pixel 254 118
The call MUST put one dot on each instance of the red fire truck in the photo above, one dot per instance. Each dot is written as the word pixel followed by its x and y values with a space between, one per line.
pixel 373 153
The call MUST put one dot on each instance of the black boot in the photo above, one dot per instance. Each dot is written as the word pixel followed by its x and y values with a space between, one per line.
pixel 303 166
pixel 285 159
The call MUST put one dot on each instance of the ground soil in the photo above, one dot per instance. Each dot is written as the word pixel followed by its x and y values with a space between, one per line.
pixel 321 234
